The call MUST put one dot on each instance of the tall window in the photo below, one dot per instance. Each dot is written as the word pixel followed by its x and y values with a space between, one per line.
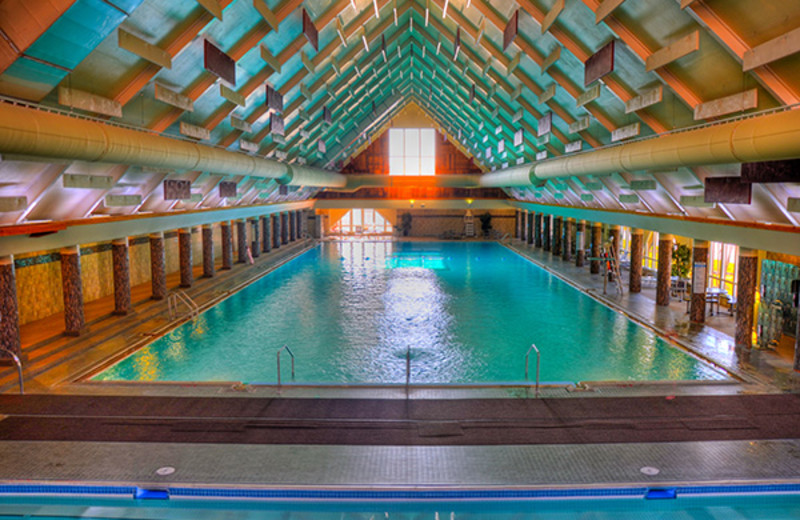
pixel 362 222
pixel 650 256
pixel 723 260
pixel 412 151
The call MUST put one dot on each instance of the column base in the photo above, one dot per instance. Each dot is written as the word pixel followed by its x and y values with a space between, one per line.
pixel 76 333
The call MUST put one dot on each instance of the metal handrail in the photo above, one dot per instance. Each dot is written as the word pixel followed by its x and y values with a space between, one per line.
pixel 408 367
pixel 287 349
pixel 19 367
pixel 538 364
pixel 179 295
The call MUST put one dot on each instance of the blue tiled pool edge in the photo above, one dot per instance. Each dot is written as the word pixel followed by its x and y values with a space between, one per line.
pixel 488 494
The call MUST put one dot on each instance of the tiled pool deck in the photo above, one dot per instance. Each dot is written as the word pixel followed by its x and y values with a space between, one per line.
pixel 426 466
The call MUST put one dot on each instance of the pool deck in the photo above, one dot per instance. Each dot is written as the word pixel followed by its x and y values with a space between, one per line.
pixel 230 435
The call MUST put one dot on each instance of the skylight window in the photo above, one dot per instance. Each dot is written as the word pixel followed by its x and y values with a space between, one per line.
pixel 412 151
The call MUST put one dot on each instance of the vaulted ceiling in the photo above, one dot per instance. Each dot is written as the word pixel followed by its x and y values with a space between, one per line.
pixel 374 58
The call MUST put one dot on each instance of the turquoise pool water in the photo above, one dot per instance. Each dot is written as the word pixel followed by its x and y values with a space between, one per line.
pixel 748 507
pixel 468 312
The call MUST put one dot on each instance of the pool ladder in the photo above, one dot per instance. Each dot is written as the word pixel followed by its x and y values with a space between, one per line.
pixel 174 301
pixel 14 359
pixel 538 364
pixel 291 354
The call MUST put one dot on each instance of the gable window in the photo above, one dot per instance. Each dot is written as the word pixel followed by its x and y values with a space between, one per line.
pixel 412 151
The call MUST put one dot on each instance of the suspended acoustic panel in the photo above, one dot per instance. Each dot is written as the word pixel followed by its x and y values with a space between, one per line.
pixel 218 63
pixel 728 190
pixel 599 64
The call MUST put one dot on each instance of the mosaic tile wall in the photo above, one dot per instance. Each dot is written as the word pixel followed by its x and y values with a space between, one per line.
pixel 139 257
pixel 96 271
pixel 38 285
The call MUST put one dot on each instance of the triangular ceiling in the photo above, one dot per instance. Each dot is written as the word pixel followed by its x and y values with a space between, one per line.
pixel 364 86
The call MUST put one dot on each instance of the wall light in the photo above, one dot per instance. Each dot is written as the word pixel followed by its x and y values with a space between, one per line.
pixel 470 201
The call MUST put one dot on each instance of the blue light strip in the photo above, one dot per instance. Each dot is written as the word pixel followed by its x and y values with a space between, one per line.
pixel 378 495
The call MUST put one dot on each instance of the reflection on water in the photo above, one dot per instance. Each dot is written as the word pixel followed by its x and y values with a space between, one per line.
pixel 466 312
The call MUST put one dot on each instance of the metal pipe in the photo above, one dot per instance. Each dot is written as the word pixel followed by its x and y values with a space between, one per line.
pixel 17 362
pixel 358 181
pixel 32 132
pixel 307 176
pixel 538 364
pixel 770 136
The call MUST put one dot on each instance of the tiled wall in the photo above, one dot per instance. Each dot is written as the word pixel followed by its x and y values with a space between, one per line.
pixel 38 285
pixel 39 274
pixel 435 223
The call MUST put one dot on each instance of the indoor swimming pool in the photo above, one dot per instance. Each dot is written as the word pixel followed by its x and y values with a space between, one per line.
pixel 351 312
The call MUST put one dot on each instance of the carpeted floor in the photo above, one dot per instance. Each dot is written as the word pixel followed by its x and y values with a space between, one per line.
pixel 399 422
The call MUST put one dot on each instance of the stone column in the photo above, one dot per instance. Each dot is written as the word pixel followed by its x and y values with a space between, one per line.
pixel 637 244
pixel 597 244
pixel 613 235
pixel 266 231
pixel 9 307
pixel 746 284
pixel 208 251
pixel 74 320
pixel 697 304
pixel 227 244
pixel 566 253
pixel 276 230
pixel 529 227
pixel 580 254
pixel 664 269
pixel 255 248
pixel 300 220
pixel 120 265
pixel 304 225
pixel 284 228
pixel 557 232
pixel 241 241
pixel 517 221
pixel 185 256
pixel 292 226
pixel 546 232
pixel 158 267
pixel 537 230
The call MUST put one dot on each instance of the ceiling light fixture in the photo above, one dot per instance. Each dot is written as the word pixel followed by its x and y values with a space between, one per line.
pixel 375 5
pixel 411 24
pixel 444 11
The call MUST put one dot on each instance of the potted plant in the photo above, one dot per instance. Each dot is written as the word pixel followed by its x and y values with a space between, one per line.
pixel 486 223
pixel 681 261
pixel 405 224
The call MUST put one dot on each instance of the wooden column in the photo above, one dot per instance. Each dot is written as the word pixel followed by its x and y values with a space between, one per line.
pixel 209 269
pixel 72 288
pixel 597 244
pixel 266 231
pixel 227 244
pixel 276 230
pixel 697 303
pixel 537 230
pixel 580 244
pixel 637 245
pixel 664 270
pixel 158 267
pixel 255 246
pixel 546 232
pixel 9 307
pixel 566 253
pixel 120 265
pixel 746 284
pixel 241 241
pixel 185 256
pixel 529 227
pixel 557 232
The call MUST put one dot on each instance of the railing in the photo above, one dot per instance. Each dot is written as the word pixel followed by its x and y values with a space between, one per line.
pixel 408 368
pixel 177 297
pixel 287 349
pixel 17 362
pixel 538 365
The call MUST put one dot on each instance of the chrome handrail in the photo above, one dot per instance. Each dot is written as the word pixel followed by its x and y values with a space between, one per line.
pixel 287 349
pixel 538 364
pixel 181 296
pixel 19 367
pixel 408 367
